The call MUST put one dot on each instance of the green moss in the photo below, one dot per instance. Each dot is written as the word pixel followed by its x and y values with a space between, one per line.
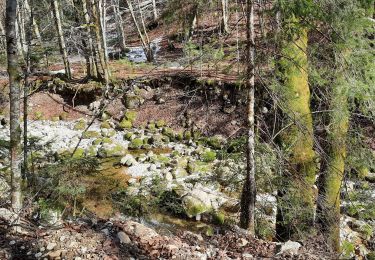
pixel 130 115
pixel 180 136
pixel 108 132
pixel 91 151
pixel 193 207
pixel 107 140
pixel 136 143
pixel 219 218
pixel 169 133
pixel 160 123
pixel 348 248
pixel 80 125
pixel 79 153
pixel 90 134
pixel 63 116
pixel 55 119
pixel 187 135
pixel 105 125
pixel 125 124
pixel 97 141
pixel 128 136
pixel 38 115
pixel 208 156
pixel 151 126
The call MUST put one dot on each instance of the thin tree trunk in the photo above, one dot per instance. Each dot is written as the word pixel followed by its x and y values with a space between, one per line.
pixel 103 26
pixel 144 44
pixel 119 25
pixel 34 23
pixel 192 23
pixel 99 42
pixel 14 96
pixel 248 198
pixel 2 37
pixel 155 10
pixel 149 54
pixel 224 16
pixel 60 33
pixel 330 183
pixel 91 64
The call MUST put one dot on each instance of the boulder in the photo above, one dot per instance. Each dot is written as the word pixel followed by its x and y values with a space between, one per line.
pixel 128 160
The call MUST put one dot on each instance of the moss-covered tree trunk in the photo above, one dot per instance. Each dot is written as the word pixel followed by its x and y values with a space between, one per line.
pixel 248 198
pixel 14 97
pixel 330 183
pixel 296 195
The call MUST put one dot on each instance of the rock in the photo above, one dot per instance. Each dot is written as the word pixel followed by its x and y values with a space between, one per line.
pixel 130 115
pixel 160 101
pixel 208 156
pixel 38 255
pixel 160 123
pixel 128 160
pixel 229 109
pixel 136 143
pixel 12 242
pixel 90 134
pixel 290 247
pixel 132 101
pixel 51 246
pixel 139 170
pixel 125 124
pixel 80 125
pixel 51 217
pixel 54 254
pixel 123 237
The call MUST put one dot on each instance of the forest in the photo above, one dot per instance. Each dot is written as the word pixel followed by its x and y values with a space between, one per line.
pixel 187 129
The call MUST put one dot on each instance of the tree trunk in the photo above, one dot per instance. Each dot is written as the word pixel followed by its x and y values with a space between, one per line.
pixel 144 44
pixel 91 61
pixel 248 198
pixel 155 10
pixel 331 180
pixel 14 96
pixel 119 25
pixel 149 54
pixel 224 16
pixel 60 33
pixel 2 37
pixel 34 23
pixel 99 43
pixel 296 200
pixel 103 26
pixel 192 23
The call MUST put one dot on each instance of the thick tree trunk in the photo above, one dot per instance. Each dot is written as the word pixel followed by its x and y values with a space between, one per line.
pixel 224 16
pixel 296 200
pixel 60 33
pixel 14 96
pixel 330 183
pixel 248 198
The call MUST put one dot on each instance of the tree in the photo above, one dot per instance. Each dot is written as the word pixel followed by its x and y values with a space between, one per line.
pixel 350 74
pixel 119 25
pixel 14 96
pixel 248 198
pixel 224 16
pixel 296 195
pixel 61 38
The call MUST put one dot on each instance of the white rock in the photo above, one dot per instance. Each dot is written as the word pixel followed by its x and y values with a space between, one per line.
pixel 128 160
pixel 123 237
pixel 51 246
pixel 290 247
pixel 12 242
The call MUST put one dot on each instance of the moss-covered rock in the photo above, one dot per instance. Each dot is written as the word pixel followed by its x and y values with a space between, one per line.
pixel 90 134
pixel 187 135
pixel 208 156
pixel 79 153
pixel 160 123
pixel 125 124
pixel 63 116
pixel 108 132
pixel 38 115
pixel 97 141
pixel 156 139
pixel 91 151
pixel 216 142
pixel 194 206
pixel 107 140
pixel 130 115
pixel 219 218
pixel 132 101
pixel 151 126
pixel 169 133
pixel 129 136
pixel 106 125
pixel 179 136
pixel 111 151
pixel 55 119
pixel 80 125
pixel 136 143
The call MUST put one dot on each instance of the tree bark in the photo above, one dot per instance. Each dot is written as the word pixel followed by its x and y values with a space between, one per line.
pixel 99 43
pixel 14 96
pixel 2 37
pixel 60 33
pixel 155 10
pixel 145 45
pixel 332 177
pixel 248 198
pixel 224 16
pixel 192 23
pixel 91 61
pixel 296 195
pixel 119 25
